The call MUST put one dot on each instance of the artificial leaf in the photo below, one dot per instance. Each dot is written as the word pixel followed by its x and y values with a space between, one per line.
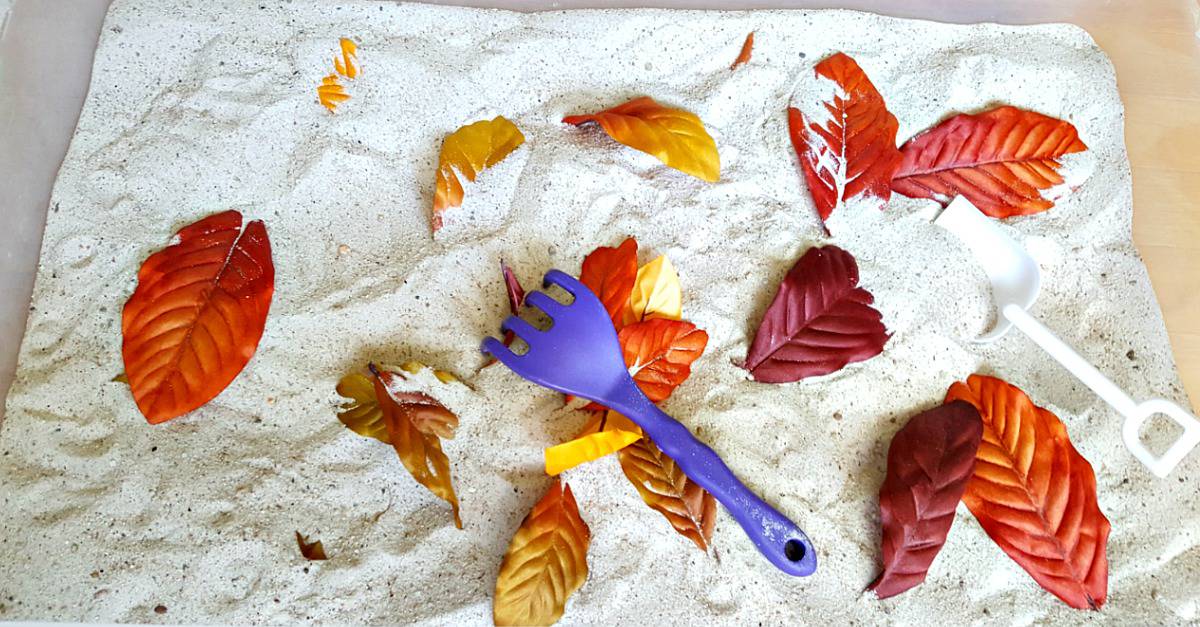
pixel 659 354
pixel 545 564
pixel 425 412
pixel 610 274
pixel 1035 495
pixel 849 151
pixel 121 378
pixel 690 509
pixel 415 367
pixel 744 55
pixel 673 136
pixel 656 293
pixel 197 314
pixel 330 92
pixel 312 551
pixel 1001 160
pixel 467 152
pixel 929 463
pixel 586 448
pixel 819 321
pixel 419 451
pixel 347 64
pixel 516 299
pixel 361 413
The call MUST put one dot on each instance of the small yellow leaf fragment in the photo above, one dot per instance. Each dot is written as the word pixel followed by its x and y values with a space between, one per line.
pixel 347 64
pixel 467 152
pixel 656 293
pixel 330 92
pixel 414 367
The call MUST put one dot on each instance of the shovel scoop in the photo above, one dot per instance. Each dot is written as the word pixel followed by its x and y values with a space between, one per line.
pixel 1016 280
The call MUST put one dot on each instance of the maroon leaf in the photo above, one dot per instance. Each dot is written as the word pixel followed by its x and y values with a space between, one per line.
pixel 819 321
pixel 516 299
pixel 929 464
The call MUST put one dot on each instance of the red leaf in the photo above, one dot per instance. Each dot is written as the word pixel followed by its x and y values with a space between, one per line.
pixel 747 50
pixel 854 153
pixel 1001 160
pixel 929 463
pixel 1035 495
pixel 610 274
pixel 197 314
pixel 819 321
pixel 659 354
pixel 516 299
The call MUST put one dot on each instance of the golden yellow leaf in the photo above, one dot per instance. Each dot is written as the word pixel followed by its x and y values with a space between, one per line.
pixel 467 152
pixel 330 92
pixel 690 509
pixel 673 136
pixel 415 367
pixel 545 564
pixel 347 64
pixel 310 550
pixel 568 455
pixel 361 413
pixel 656 293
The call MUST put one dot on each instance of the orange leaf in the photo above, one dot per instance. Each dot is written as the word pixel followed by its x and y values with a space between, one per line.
pixel 673 136
pixel 610 274
pixel 347 64
pixel 467 152
pixel 690 509
pixel 197 314
pixel 851 150
pixel 545 564
pixel 659 354
pixel 1035 495
pixel 418 449
pixel 312 551
pixel 330 92
pixel 744 55
pixel 1001 160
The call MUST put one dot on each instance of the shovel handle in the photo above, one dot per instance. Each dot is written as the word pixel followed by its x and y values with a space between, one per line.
pixel 1135 414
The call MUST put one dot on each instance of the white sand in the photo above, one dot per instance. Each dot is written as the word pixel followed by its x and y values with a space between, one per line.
pixel 202 106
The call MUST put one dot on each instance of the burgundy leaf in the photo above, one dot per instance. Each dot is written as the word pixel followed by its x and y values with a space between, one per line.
pixel 516 294
pixel 929 464
pixel 819 321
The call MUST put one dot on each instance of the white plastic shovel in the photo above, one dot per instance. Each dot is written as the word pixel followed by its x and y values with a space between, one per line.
pixel 1016 279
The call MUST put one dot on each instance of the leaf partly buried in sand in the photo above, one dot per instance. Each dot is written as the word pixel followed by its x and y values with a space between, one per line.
pixel 425 412
pixel 610 274
pixel 361 413
pixel 744 55
pixel 819 321
pixel 606 432
pixel 467 152
pixel 690 509
pixel 1001 160
pixel 929 463
pixel 516 300
pixel 197 314
pixel 1035 495
pixel 330 93
pixel 347 63
pixel 310 550
pixel 850 151
pixel 656 293
pixel 545 564
pixel 659 354
pixel 673 136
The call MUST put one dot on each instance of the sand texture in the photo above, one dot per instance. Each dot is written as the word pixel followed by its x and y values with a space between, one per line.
pixel 202 106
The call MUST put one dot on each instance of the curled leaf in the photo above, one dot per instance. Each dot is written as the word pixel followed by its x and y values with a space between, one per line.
pixel 744 55
pixel 610 274
pixel 1035 495
pixel 673 136
pixel 690 509
pixel 312 551
pixel 197 314
pixel 659 354
pixel 330 92
pixel 656 293
pixel 467 152
pixel 849 151
pixel 545 564
pixel 516 300
pixel 1001 160
pixel 819 321
pixel 347 64
pixel 929 463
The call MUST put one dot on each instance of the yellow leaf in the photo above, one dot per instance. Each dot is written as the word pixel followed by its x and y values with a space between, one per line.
pixel 347 64
pixel 690 509
pixel 330 92
pixel 673 136
pixel 656 293
pixel 467 152
pixel 545 564
pixel 414 367
pixel 585 449
pixel 361 413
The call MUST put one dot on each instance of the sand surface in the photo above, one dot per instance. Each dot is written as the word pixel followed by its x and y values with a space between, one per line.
pixel 199 107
